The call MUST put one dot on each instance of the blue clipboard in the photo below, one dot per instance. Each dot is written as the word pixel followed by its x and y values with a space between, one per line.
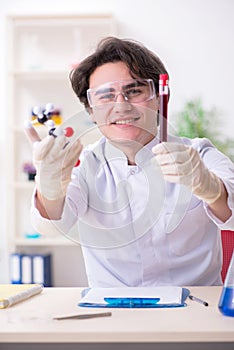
pixel 134 302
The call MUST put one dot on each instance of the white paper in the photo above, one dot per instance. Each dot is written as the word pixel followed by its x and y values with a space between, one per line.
pixel 169 295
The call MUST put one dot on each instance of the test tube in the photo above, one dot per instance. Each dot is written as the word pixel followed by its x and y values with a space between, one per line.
pixel 163 101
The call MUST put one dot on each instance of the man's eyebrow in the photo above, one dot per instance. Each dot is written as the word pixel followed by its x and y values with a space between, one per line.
pixel 136 83
pixel 104 90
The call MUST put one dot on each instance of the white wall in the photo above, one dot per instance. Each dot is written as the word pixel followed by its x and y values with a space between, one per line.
pixel 194 38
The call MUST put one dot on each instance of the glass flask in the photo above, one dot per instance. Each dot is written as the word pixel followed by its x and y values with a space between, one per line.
pixel 226 302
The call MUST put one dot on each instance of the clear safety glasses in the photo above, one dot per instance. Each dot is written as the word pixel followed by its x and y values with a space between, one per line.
pixel 133 91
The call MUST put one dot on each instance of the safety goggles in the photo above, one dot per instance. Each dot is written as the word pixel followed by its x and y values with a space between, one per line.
pixel 133 91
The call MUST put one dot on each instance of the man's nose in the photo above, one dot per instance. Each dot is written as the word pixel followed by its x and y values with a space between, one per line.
pixel 121 103
pixel 120 97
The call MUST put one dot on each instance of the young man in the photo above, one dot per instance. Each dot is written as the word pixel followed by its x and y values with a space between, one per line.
pixel 147 213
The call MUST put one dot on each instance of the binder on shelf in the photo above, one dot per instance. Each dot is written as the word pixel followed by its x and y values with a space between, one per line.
pixel 31 269
pixel 26 266
pixel 41 265
pixel 15 268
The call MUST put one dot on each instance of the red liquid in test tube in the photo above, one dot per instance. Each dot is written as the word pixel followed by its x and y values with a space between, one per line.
pixel 163 101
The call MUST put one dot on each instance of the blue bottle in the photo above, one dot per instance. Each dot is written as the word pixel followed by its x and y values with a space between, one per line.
pixel 226 302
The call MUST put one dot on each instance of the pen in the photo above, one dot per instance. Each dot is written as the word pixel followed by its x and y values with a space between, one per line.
pixel 192 297
pixel 83 316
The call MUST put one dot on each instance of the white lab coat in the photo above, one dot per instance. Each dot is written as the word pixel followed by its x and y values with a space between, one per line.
pixel 136 229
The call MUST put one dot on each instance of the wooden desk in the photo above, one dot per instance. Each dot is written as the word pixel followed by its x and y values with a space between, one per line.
pixel 30 325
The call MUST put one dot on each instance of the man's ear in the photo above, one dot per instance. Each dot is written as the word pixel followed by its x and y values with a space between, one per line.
pixel 91 115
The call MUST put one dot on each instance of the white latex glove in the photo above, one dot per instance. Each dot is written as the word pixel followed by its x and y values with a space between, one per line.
pixel 54 159
pixel 182 164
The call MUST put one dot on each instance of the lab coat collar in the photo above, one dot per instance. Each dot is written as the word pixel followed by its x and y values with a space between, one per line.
pixel 142 156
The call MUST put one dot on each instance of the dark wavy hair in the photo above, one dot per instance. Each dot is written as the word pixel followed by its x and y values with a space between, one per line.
pixel 142 63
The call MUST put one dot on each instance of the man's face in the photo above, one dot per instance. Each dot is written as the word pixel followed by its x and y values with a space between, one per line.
pixel 122 119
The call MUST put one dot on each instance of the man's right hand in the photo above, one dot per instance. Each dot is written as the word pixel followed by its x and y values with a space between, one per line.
pixel 54 159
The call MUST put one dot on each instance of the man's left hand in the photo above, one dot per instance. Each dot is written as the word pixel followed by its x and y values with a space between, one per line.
pixel 182 164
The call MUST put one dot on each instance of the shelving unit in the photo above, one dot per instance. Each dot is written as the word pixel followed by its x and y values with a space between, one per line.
pixel 40 55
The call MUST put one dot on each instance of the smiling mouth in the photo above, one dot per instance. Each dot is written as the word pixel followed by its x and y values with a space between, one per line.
pixel 125 121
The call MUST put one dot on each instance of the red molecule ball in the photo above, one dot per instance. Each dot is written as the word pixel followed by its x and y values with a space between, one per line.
pixel 68 132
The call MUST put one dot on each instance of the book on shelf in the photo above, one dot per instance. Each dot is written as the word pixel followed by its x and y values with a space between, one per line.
pixel 11 294
pixel 31 269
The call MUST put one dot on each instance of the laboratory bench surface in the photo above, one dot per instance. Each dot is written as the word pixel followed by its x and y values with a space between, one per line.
pixel 30 324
